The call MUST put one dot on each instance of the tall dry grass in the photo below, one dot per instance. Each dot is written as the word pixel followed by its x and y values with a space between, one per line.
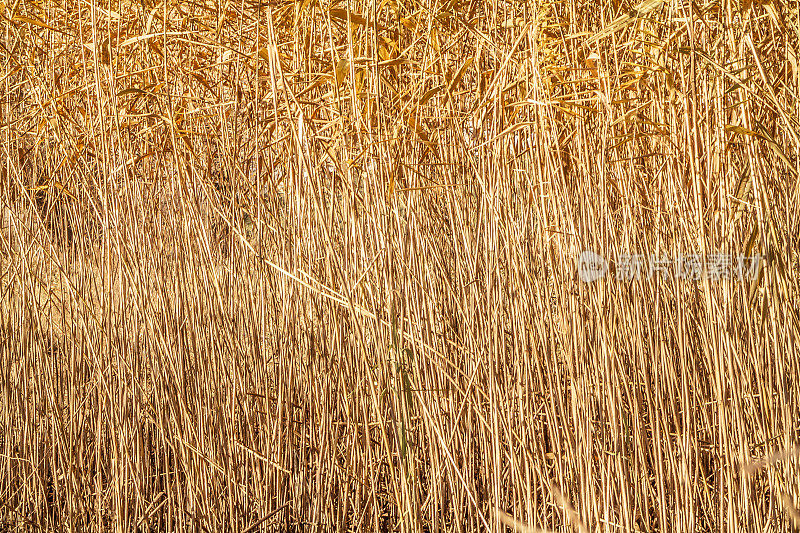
pixel 305 265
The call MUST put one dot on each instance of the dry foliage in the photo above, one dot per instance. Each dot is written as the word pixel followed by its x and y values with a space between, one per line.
pixel 271 265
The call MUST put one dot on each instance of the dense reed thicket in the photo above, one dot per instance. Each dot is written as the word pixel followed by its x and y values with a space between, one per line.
pixel 313 265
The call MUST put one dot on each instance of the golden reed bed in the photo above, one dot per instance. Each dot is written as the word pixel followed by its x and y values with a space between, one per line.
pixel 318 266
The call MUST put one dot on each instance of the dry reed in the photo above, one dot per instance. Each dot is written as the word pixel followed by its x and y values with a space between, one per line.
pixel 276 265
